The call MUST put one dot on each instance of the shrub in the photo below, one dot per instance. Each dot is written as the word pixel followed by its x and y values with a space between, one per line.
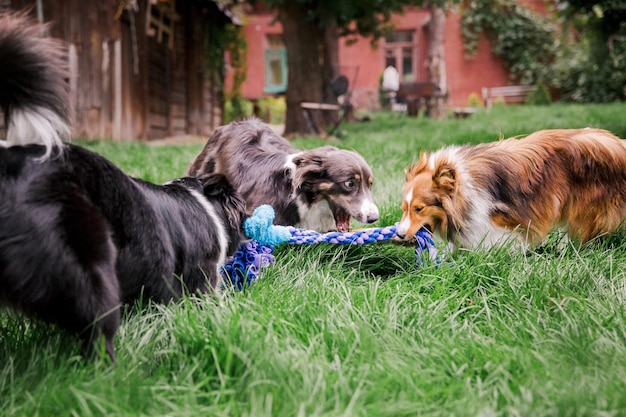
pixel 272 109
pixel 269 109
pixel 498 101
pixel 540 95
pixel 474 100
pixel 237 108
pixel 591 70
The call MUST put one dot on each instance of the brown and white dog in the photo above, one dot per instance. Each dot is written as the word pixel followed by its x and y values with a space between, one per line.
pixel 319 189
pixel 519 189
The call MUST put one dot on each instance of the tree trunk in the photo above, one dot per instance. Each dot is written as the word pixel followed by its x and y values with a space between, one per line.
pixel 309 67
pixel 436 62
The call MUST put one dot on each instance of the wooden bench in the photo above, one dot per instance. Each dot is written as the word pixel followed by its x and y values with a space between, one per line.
pixel 309 109
pixel 339 86
pixel 512 94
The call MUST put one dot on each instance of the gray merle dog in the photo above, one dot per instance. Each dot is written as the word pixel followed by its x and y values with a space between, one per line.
pixel 319 189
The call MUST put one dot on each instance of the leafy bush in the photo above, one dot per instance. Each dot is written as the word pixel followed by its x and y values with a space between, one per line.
pixel 272 109
pixel 585 75
pixel 474 100
pixel 237 108
pixel 586 65
pixel 498 101
pixel 269 109
pixel 540 95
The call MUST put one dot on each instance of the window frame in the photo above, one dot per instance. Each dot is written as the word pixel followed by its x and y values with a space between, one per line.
pixel 270 55
pixel 396 50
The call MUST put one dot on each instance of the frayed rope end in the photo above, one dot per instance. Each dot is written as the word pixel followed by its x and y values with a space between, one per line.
pixel 260 228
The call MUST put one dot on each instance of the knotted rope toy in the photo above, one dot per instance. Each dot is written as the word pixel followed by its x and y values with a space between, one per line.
pixel 244 267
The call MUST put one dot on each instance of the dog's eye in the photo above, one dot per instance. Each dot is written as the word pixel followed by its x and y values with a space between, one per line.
pixel 418 209
pixel 349 183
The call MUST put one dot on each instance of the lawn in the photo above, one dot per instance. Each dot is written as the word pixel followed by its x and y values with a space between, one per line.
pixel 361 330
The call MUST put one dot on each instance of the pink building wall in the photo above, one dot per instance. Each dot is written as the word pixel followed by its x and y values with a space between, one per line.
pixel 363 64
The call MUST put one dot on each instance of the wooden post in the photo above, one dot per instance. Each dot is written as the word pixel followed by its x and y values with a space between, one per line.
pixel 117 90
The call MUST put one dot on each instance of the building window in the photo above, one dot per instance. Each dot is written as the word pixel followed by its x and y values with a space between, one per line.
pixel 401 52
pixel 160 20
pixel 275 65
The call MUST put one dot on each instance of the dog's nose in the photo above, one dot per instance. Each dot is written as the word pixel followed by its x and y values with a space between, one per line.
pixel 371 218
pixel 401 230
pixel 369 212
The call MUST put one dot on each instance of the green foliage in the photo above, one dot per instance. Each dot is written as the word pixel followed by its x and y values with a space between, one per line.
pixel 591 62
pixel 269 109
pixel 525 40
pixel 236 108
pixel 581 79
pixel 272 109
pixel 586 65
pixel 363 17
pixel 237 48
pixel 223 41
pixel 498 101
pixel 539 95
pixel 474 100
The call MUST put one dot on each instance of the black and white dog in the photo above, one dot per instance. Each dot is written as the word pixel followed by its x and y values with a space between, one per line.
pixel 78 237
pixel 319 189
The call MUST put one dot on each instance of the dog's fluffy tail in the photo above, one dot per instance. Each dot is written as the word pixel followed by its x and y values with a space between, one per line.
pixel 34 93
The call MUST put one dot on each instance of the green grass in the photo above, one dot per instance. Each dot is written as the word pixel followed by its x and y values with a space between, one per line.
pixel 358 331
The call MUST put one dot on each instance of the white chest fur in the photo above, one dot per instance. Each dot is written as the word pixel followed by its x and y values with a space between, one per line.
pixel 317 217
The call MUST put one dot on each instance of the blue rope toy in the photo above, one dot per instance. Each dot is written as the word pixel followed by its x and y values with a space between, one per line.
pixel 244 267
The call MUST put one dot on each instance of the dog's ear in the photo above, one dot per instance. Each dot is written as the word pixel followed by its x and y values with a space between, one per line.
pixel 314 156
pixel 217 187
pixel 305 160
pixel 310 166
pixel 411 172
pixel 416 168
pixel 445 179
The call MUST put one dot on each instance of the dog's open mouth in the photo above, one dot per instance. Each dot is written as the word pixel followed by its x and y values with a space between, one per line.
pixel 342 218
